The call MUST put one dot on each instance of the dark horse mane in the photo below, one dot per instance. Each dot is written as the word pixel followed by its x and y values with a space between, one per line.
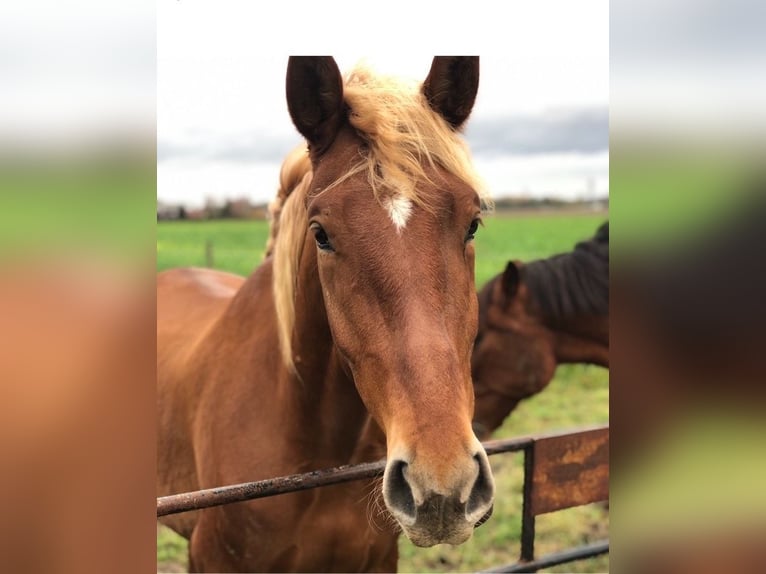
pixel 573 283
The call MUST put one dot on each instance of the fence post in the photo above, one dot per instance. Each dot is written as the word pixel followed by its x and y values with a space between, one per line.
pixel 527 514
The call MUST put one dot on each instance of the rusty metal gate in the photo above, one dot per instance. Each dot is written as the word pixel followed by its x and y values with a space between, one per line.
pixel 561 471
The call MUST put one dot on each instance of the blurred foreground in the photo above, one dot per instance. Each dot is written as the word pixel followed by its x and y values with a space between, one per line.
pixel 77 211
pixel 688 383
pixel 688 316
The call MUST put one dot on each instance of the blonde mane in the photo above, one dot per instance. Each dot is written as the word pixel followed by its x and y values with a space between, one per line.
pixel 404 137
pixel 294 167
pixel 288 248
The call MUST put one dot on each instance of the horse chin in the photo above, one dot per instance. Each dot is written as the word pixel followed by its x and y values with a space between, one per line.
pixel 425 537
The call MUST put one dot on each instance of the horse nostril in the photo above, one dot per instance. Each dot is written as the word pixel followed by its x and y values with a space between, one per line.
pixel 483 490
pixel 398 489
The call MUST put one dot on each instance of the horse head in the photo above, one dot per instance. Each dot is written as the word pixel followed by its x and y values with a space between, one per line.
pixel 389 213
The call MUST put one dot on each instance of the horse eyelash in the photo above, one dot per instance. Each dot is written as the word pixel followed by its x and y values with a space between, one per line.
pixel 469 236
pixel 316 228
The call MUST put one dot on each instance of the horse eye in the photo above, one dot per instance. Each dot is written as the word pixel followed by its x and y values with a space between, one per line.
pixel 471 233
pixel 320 235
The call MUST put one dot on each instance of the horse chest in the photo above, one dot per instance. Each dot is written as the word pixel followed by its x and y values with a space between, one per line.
pixel 325 530
pixel 343 537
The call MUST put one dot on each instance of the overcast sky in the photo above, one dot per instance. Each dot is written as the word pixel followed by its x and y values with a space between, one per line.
pixel 540 125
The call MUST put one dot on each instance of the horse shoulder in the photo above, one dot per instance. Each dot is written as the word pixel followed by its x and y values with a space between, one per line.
pixel 225 377
pixel 189 301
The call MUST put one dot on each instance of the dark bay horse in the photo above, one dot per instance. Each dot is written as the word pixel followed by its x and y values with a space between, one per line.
pixel 535 316
pixel 351 342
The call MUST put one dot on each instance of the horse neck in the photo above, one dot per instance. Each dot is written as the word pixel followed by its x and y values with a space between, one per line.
pixel 574 283
pixel 583 339
pixel 334 421
pixel 571 305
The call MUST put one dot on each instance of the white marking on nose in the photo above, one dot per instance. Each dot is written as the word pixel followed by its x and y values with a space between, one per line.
pixel 399 209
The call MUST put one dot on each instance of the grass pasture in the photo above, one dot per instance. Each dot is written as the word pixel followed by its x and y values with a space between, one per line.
pixel 577 396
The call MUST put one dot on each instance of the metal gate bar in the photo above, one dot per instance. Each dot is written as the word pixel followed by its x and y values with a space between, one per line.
pixel 210 497
pixel 206 498
pixel 587 454
pixel 579 553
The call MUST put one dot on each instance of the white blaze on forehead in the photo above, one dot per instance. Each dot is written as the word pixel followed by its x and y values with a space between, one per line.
pixel 399 209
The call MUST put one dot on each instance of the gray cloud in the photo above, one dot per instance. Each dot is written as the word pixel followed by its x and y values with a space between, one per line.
pixel 584 130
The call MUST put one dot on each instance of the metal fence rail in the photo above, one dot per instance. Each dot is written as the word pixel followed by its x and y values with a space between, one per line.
pixel 533 503
pixel 206 498
pixel 554 559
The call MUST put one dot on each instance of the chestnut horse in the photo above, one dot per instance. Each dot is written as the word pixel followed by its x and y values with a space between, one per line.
pixel 534 317
pixel 350 343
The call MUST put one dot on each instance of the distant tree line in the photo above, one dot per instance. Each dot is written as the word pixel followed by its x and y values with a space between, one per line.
pixel 549 203
pixel 242 208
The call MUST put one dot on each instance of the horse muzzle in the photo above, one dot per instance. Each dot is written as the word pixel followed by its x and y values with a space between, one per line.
pixel 431 515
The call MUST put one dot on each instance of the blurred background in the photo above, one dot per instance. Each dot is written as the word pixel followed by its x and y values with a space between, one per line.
pixel 687 127
pixel 112 111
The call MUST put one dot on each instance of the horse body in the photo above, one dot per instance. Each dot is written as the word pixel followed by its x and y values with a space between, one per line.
pixel 534 317
pixel 233 369
pixel 370 300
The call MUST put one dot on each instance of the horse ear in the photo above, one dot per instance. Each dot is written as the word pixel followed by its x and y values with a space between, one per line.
pixel 315 99
pixel 511 280
pixel 451 87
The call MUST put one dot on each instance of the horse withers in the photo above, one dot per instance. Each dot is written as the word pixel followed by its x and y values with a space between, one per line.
pixel 351 342
pixel 535 316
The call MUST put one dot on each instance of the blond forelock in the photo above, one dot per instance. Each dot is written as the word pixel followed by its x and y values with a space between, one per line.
pixel 404 137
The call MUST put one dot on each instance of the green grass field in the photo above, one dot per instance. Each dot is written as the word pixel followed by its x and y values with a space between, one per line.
pixel 238 245
pixel 577 396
